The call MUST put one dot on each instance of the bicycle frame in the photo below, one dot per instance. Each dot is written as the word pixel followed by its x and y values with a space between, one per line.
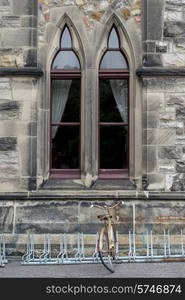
pixel 108 227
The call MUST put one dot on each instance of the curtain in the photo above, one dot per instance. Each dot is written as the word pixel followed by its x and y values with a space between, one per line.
pixel 120 91
pixel 60 90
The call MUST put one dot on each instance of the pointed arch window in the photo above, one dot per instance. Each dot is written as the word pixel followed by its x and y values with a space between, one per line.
pixel 65 110
pixel 113 110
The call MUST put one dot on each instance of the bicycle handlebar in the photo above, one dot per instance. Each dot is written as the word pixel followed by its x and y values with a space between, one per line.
pixel 106 206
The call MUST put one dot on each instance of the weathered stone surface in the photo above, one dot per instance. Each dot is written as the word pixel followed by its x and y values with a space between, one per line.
pixel 166 166
pixel 178 183
pixel 13 37
pixel 152 60
pixel 155 182
pixel 6 218
pixel 155 101
pixel 25 7
pixel 175 99
pixel 180 112
pixel 8 143
pixel 174 59
pixel 30 57
pixel 51 216
pixel 9 105
pixel 153 21
pixel 165 84
pixel 28 21
pixel 180 166
pixel 152 119
pixel 170 152
pixel 172 29
pixel 151 159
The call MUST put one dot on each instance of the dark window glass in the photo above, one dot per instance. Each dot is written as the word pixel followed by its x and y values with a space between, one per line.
pixel 66 41
pixel 113 95
pixel 113 39
pixel 66 147
pixel 66 100
pixel 66 60
pixel 113 147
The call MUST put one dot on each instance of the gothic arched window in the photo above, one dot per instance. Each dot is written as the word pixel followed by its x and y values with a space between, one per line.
pixel 65 110
pixel 113 110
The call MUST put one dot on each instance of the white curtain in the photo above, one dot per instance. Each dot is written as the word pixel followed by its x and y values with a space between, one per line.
pixel 120 92
pixel 60 91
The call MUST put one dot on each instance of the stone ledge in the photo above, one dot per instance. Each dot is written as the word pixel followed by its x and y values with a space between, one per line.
pixel 93 195
pixel 35 72
pixel 142 72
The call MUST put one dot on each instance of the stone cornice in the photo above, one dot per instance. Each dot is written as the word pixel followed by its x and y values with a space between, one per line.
pixel 30 72
pixel 149 72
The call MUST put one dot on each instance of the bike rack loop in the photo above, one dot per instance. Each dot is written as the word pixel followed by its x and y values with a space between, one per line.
pixel 64 256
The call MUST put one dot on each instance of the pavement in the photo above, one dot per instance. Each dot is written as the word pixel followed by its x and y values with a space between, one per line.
pixel 14 269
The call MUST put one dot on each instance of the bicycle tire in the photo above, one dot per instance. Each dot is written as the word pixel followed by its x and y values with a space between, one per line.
pixel 104 255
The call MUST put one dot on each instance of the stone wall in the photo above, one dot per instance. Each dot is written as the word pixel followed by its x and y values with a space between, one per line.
pixel 55 217
pixel 164 100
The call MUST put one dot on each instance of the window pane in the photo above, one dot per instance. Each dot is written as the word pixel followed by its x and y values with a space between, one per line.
pixel 113 60
pixel 113 39
pixel 66 60
pixel 66 100
pixel 66 147
pixel 113 147
pixel 66 41
pixel 113 100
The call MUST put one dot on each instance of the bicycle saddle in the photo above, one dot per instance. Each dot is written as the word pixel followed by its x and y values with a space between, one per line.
pixel 104 216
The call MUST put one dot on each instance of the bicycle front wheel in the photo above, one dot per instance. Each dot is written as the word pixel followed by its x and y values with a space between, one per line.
pixel 106 255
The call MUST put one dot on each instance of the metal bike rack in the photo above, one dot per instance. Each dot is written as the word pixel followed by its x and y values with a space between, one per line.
pixel 3 259
pixel 150 250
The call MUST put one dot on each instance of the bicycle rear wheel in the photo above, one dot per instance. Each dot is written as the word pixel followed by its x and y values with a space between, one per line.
pixel 103 250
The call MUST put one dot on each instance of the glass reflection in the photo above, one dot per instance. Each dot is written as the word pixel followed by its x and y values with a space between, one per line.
pixel 113 60
pixel 113 39
pixel 66 60
pixel 66 41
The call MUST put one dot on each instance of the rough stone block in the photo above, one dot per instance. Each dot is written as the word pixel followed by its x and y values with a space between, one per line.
pixel 177 182
pixel 13 37
pixel 180 112
pixel 11 59
pixel 47 216
pixel 166 84
pixel 14 128
pixel 30 57
pixel 155 101
pixel 23 89
pixel 153 21
pixel 175 99
pixel 8 143
pixel 25 7
pixel 166 136
pixel 152 60
pixel 152 119
pixel 166 166
pixel 173 28
pixel 170 152
pixel 180 166
pixel 156 182
pixel 29 21
pixel 174 59
pixel 6 217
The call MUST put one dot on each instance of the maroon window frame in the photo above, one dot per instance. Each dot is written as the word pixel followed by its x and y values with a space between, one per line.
pixel 114 74
pixel 62 74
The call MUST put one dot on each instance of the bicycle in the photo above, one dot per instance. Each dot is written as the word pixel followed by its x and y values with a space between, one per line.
pixel 107 240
